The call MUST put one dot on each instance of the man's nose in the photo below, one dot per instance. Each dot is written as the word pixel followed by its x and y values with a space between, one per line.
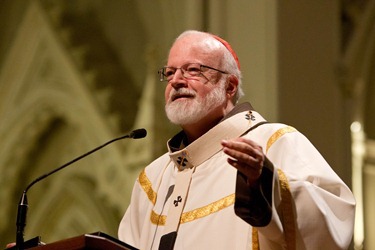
pixel 178 80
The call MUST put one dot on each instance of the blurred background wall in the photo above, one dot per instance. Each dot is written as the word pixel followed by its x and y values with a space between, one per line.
pixel 76 73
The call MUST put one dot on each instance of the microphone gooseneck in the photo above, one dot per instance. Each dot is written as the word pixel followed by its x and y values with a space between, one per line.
pixel 23 204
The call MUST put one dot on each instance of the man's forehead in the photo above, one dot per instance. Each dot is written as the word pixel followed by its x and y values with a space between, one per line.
pixel 203 50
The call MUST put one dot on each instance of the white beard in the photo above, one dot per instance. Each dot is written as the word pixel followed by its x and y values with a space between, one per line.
pixel 192 110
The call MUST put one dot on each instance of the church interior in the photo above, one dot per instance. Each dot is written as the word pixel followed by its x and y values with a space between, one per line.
pixel 75 74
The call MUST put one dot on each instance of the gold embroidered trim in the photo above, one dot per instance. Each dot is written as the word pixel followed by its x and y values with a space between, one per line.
pixel 287 212
pixel 255 239
pixel 158 219
pixel 147 186
pixel 278 134
pixel 196 213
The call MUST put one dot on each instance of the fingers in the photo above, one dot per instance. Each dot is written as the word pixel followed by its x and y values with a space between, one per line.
pixel 246 156
pixel 9 245
pixel 244 151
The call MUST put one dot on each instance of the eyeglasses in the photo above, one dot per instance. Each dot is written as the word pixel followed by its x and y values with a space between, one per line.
pixel 188 71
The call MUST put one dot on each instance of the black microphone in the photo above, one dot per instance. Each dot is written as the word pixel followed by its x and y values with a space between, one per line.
pixel 138 133
pixel 23 204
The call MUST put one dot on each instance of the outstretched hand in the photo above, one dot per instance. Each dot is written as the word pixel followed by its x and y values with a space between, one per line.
pixel 246 156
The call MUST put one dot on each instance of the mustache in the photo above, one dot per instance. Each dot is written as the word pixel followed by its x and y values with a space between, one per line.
pixel 174 94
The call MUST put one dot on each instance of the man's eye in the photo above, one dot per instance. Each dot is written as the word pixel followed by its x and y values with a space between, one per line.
pixel 193 70
pixel 169 72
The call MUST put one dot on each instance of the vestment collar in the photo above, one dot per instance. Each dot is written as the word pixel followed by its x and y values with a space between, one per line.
pixel 235 124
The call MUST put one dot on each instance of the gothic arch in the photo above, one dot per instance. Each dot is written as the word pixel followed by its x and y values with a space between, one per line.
pixel 48 114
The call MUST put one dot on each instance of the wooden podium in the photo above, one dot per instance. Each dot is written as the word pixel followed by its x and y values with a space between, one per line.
pixel 94 241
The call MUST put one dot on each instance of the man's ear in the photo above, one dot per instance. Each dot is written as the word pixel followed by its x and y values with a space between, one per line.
pixel 231 86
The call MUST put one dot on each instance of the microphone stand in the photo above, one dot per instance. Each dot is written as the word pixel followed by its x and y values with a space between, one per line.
pixel 23 204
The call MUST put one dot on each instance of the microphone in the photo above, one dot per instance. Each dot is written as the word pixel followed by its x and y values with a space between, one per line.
pixel 138 133
pixel 23 204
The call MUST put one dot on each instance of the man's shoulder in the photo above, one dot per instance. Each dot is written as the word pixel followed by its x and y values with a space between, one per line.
pixel 271 132
pixel 158 163
pixel 277 125
pixel 153 170
pixel 273 127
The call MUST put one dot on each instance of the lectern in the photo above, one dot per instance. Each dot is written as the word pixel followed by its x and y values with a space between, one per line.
pixel 94 241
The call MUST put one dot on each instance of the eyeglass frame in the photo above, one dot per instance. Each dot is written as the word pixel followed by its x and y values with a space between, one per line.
pixel 164 77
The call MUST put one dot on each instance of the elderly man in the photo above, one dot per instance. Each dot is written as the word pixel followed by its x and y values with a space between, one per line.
pixel 231 180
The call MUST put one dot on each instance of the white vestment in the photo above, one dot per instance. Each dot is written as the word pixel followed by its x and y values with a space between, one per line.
pixel 321 206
